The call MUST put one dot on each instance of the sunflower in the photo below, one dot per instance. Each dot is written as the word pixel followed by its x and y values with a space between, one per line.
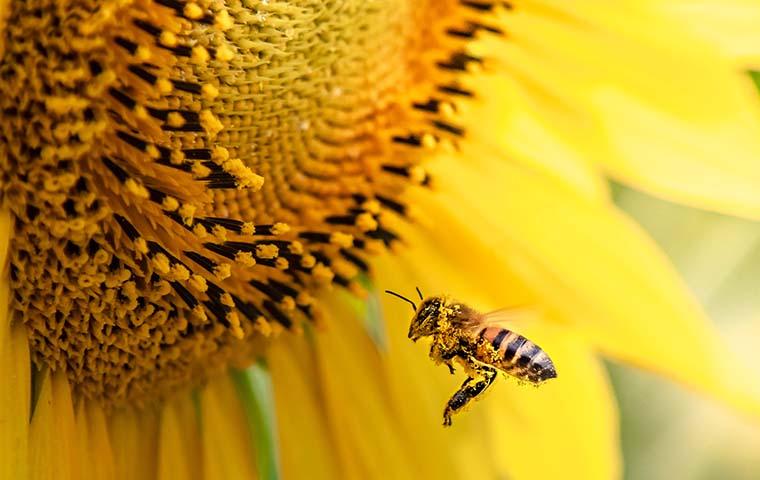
pixel 182 180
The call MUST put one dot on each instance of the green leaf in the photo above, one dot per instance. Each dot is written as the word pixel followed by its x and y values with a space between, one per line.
pixel 254 388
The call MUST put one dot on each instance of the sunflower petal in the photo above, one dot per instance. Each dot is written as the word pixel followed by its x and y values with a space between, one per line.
pixel 662 156
pixel 356 399
pixel 296 392
pixel 15 368
pixel 99 435
pixel 588 263
pixel 532 126
pixel 671 116
pixel 173 457
pixel 82 438
pixel 96 455
pixel 135 432
pixel 730 25
pixel 14 395
pixel 226 440
pixel 52 437
pixel 186 410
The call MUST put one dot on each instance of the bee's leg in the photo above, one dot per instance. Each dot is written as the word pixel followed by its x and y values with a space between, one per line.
pixel 470 389
pixel 455 402
pixel 448 357
pixel 441 354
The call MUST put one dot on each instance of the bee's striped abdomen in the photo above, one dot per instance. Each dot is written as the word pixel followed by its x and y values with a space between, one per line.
pixel 515 354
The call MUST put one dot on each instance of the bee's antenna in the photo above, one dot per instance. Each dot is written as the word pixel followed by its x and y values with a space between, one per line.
pixel 402 298
pixel 418 292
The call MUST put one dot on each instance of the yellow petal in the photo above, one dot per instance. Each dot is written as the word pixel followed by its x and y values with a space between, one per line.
pixel 671 24
pixel 135 433
pixel 589 264
pixel 535 128
pixel 670 116
pixel 83 440
pixel 300 413
pixel 356 400
pixel 15 371
pixel 730 25
pixel 227 449
pixel 14 395
pixel 187 415
pixel 100 445
pixel 52 436
pixel 96 458
pixel 706 166
pixel 173 456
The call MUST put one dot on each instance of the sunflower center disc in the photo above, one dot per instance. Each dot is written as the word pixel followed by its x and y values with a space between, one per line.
pixel 183 174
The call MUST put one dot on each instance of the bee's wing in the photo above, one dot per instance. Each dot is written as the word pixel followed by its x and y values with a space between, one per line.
pixel 503 317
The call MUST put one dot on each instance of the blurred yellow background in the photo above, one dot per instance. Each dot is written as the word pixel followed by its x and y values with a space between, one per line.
pixel 684 436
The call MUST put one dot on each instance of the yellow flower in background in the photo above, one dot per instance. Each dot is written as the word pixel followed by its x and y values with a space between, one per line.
pixel 182 178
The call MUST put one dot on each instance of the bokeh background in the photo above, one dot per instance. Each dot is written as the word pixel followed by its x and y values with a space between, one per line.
pixel 680 435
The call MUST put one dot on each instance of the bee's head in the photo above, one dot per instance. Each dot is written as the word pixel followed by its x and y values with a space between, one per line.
pixel 425 320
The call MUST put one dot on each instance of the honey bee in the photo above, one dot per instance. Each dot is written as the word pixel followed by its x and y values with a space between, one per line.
pixel 479 343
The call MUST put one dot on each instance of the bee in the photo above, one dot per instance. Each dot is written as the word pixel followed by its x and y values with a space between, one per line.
pixel 479 343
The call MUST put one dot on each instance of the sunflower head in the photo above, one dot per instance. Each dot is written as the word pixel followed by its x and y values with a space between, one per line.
pixel 184 175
